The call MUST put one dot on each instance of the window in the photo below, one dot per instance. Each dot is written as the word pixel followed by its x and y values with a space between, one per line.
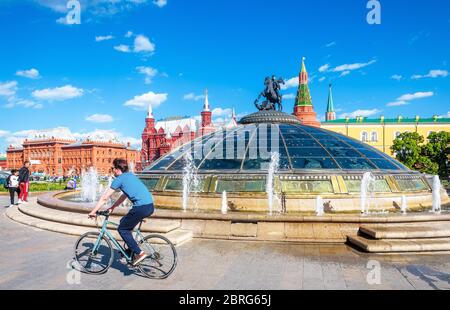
pixel 364 136
pixel 374 136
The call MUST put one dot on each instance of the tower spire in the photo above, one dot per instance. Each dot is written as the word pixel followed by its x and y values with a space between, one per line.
pixel 206 125
pixel 150 111
pixel 303 94
pixel 304 109
pixel 330 115
pixel 330 106
pixel 206 104
pixel 303 73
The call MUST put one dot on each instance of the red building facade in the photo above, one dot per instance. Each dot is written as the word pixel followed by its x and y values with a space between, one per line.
pixel 159 138
pixel 61 157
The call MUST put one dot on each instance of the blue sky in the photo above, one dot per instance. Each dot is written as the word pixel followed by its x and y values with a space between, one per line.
pixel 95 78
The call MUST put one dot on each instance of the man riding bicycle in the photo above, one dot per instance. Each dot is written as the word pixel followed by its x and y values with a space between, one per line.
pixel 133 189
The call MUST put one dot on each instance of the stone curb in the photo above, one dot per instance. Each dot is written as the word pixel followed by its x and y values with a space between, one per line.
pixel 177 237
pixel 420 231
pixel 64 217
pixel 395 245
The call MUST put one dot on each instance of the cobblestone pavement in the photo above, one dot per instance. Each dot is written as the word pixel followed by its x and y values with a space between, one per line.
pixel 34 259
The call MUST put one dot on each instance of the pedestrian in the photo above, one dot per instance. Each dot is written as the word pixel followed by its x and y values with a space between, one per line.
pixel 24 182
pixel 12 183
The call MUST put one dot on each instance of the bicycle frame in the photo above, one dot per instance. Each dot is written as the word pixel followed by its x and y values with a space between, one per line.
pixel 105 232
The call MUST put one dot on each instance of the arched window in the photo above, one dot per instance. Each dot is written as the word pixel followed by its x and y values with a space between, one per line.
pixel 374 136
pixel 364 136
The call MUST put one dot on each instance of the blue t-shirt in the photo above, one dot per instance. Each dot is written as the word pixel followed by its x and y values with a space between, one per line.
pixel 133 188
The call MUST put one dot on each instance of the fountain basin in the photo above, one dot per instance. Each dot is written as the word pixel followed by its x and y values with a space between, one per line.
pixel 256 226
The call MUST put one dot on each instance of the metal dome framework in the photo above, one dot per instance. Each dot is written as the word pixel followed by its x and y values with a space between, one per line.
pixel 301 148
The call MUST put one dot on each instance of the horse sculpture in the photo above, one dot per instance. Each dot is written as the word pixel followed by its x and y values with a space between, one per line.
pixel 274 99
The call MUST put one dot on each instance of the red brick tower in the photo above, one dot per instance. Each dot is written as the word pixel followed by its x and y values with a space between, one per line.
pixel 304 109
pixel 206 126
pixel 149 143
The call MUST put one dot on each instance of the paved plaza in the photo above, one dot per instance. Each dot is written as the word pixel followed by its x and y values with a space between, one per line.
pixel 34 259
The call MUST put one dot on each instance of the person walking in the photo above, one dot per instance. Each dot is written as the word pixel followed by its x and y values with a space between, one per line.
pixel 24 182
pixel 13 185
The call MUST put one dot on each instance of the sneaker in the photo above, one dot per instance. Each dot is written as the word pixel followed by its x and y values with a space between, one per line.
pixel 11 206
pixel 19 201
pixel 139 258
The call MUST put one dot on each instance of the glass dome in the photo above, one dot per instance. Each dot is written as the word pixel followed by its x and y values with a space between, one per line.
pixel 248 149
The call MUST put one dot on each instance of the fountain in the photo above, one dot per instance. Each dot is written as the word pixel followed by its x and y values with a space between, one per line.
pixel 89 185
pixel 270 186
pixel 367 187
pixel 224 203
pixel 319 206
pixel 190 179
pixel 132 167
pixel 436 194
pixel 254 179
pixel 404 205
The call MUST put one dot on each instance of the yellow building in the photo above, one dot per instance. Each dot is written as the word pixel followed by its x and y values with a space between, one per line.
pixel 381 133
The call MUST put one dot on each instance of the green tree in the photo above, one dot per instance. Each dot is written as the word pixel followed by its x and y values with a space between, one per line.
pixel 438 150
pixel 409 148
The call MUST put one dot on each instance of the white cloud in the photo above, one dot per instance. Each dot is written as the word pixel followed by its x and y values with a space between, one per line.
pixel 418 95
pixel 322 79
pixel 62 21
pixel 291 83
pixel 58 94
pixel 344 73
pixel 324 68
pixel 397 103
pixel 364 113
pixel 95 7
pixel 122 48
pixel 143 101
pixel 100 118
pixel 14 102
pixel 432 74
pixel 8 89
pixel 330 44
pixel 405 99
pixel 149 73
pixel 55 5
pixel 351 67
pixel 289 96
pixel 160 3
pixel 129 34
pixel 143 44
pixel 219 112
pixel 193 97
pixel 103 38
pixel 397 77
pixel 30 74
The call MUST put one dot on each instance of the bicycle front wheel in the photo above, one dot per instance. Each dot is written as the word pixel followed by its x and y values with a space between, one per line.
pixel 162 257
pixel 94 261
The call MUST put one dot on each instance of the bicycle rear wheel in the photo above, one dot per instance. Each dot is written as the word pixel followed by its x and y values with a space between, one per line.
pixel 162 257
pixel 94 263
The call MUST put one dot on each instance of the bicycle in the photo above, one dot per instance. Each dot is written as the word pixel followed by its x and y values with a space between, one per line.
pixel 94 251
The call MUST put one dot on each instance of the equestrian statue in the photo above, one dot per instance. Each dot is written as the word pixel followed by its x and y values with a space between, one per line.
pixel 272 94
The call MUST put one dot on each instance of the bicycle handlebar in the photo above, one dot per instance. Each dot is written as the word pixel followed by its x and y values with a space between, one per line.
pixel 103 213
